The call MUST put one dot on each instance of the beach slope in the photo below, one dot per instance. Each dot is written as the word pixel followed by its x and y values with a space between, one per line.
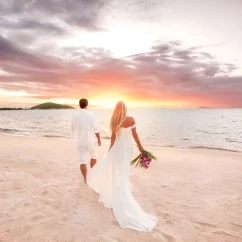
pixel 196 194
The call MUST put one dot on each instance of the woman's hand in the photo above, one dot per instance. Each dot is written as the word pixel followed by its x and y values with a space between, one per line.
pixel 140 147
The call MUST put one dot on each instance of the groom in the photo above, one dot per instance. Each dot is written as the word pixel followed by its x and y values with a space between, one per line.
pixel 84 128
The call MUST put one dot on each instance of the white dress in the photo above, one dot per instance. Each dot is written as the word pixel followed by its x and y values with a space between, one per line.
pixel 110 178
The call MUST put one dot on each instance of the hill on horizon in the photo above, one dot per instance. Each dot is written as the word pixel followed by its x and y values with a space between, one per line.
pixel 50 105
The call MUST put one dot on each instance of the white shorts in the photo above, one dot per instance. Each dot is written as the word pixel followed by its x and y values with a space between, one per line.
pixel 84 150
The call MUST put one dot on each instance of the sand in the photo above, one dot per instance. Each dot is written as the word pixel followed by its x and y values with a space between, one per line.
pixel 196 194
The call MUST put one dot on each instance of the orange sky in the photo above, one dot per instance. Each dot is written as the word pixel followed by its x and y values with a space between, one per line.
pixel 105 100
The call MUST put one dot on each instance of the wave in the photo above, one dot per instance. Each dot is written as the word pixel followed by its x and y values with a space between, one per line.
pixel 105 137
pixel 169 146
pixel 53 136
pixel 195 147
pixel 214 148
pixel 25 133
pixel 232 140
pixel 8 130
pixel 206 132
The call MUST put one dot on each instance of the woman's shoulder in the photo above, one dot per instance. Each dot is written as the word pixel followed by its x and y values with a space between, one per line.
pixel 130 119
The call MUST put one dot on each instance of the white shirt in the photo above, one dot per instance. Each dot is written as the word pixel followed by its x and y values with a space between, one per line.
pixel 84 127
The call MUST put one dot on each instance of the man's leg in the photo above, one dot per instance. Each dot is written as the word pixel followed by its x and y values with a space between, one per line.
pixel 83 152
pixel 83 169
pixel 93 154
pixel 93 162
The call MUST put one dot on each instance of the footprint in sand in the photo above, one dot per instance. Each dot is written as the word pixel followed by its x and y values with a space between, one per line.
pixel 44 192
pixel 37 218
pixel 12 209
pixel 26 204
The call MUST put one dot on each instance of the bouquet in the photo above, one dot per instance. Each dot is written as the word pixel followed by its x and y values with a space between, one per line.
pixel 143 159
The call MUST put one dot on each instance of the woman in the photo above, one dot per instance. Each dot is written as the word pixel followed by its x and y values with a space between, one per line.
pixel 110 176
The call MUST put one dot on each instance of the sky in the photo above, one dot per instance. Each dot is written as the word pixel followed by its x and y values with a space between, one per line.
pixel 147 53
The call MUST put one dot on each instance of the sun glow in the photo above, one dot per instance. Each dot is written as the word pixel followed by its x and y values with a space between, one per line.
pixel 106 100
pixel 13 93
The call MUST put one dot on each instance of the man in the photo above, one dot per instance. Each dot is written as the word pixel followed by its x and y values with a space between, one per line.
pixel 84 128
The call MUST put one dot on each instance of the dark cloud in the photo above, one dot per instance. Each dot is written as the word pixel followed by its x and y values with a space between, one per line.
pixel 39 24
pixel 25 38
pixel 31 24
pixel 80 13
pixel 11 53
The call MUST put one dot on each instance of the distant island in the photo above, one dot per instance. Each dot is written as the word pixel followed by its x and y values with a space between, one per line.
pixel 48 105
pixel 12 108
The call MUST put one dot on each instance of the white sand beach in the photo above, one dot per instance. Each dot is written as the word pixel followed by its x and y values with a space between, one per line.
pixel 196 194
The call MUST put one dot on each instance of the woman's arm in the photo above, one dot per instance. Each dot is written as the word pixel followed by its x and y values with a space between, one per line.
pixel 136 138
pixel 113 138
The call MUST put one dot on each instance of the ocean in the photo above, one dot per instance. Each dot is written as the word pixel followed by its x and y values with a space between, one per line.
pixel 185 128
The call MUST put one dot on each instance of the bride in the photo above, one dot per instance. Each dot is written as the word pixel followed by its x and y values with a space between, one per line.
pixel 110 176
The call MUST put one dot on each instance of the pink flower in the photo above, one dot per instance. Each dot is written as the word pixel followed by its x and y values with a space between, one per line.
pixel 143 159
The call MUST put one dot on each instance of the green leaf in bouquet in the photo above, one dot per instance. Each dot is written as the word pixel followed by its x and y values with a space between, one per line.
pixel 134 160
pixel 153 157
pixel 148 154
pixel 138 163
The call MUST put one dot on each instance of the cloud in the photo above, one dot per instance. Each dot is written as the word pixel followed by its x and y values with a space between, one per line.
pixel 37 24
pixel 167 72
pixel 79 13
pixel 10 53
pixel 31 24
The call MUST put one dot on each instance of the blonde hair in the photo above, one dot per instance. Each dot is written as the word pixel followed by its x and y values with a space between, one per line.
pixel 119 115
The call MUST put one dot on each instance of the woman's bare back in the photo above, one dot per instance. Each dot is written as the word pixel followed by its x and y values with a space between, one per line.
pixel 129 121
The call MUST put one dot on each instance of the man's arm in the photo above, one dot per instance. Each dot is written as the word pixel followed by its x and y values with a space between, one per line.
pixel 97 133
pixel 98 139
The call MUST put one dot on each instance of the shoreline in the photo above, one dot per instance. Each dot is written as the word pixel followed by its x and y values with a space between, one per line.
pixel 107 142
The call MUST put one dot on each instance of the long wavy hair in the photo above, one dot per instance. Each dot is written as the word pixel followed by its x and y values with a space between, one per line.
pixel 119 115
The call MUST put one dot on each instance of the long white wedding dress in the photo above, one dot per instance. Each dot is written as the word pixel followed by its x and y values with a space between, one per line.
pixel 110 178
